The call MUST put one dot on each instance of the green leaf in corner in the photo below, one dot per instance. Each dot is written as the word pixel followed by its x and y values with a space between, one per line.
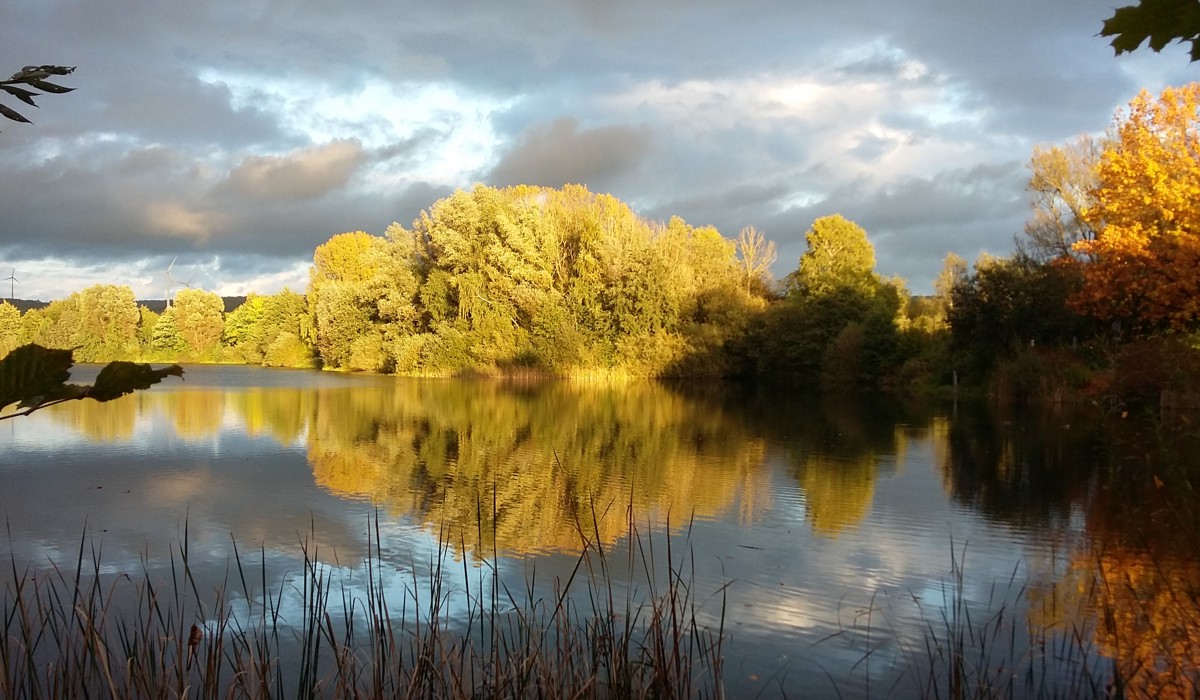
pixel 120 378
pixel 32 374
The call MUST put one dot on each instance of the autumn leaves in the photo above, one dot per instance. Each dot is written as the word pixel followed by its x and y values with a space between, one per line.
pixel 1143 266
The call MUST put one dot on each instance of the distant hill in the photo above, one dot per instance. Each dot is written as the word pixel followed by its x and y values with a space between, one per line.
pixel 155 305
pixel 24 305
pixel 158 305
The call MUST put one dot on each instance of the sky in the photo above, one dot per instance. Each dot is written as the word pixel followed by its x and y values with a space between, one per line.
pixel 224 140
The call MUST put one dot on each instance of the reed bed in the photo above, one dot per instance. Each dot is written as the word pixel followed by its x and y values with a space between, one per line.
pixel 625 622
pixel 79 633
pixel 1093 633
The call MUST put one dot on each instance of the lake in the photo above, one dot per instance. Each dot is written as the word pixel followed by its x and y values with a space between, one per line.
pixel 849 546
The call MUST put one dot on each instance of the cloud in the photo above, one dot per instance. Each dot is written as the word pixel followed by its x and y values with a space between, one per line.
pixel 309 173
pixel 226 130
pixel 176 219
pixel 558 153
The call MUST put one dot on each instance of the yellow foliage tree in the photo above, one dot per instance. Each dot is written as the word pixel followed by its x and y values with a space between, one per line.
pixel 1146 253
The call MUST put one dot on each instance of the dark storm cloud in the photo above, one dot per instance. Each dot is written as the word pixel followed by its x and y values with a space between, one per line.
pixel 241 129
pixel 561 153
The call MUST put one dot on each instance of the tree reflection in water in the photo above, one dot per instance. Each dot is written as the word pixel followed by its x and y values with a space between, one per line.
pixel 1128 585
pixel 527 468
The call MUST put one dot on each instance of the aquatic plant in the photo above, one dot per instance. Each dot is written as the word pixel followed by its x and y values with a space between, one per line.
pixel 82 632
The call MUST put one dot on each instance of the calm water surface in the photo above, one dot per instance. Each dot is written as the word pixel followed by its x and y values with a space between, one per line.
pixel 840 530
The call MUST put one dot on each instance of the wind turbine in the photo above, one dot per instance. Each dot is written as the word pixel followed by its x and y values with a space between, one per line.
pixel 12 284
pixel 186 283
pixel 171 281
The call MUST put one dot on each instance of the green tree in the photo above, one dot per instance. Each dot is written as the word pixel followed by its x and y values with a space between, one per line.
pixel 147 319
pixel 346 283
pixel 54 325
pixel 107 323
pixel 165 337
pixel 10 328
pixel 837 325
pixel 199 316
pixel 269 330
pixel 1013 303
pixel 839 257
pixel 562 281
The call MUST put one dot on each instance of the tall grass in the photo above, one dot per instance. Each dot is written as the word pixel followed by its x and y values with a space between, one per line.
pixel 1091 633
pixel 72 633
pixel 622 622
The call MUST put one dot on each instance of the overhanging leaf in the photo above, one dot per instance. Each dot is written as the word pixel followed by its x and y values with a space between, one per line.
pixel 13 115
pixel 49 87
pixel 57 70
pixel 21 94
pixel 1155 22
pixel 65 392
pixel 32 372
pixel 120 378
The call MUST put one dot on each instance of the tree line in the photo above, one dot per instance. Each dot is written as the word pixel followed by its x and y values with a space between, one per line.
pixel 569 282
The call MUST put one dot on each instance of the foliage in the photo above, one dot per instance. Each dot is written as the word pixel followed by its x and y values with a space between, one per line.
pixel 100 323
pixel 531 279
pixel 1013 303
pixel 839 257
pixel 837 324
pixel 32 77
pixel 198 315
pixel 108 323
pixel 1146 373
pixel 35 377
pixel 165 336
pixel 1062 180
pixel 1158 22
pixel 10 328
pixel 147 320
pixel 348 270
pixel 1147 250
pixel 267 330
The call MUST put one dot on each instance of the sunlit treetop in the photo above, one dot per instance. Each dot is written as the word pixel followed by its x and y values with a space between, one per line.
pixel 1147 248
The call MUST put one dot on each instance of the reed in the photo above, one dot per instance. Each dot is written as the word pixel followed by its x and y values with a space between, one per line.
pixel 70 633
pixel 1095 633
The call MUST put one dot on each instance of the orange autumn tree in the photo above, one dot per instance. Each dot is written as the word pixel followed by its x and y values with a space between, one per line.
pixel 1145 265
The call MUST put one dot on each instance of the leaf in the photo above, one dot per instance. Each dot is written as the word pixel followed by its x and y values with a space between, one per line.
pixel 65 392
pixel 13 115
pixel 1158 22
pixel 120 378
pixel 57 70
pixel 32 372
pixel 21 94
pixel 49 87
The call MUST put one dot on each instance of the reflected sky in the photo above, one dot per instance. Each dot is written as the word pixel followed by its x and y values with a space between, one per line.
pixel 839 527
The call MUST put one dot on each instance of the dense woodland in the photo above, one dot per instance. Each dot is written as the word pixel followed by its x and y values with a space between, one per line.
pixel 1101 299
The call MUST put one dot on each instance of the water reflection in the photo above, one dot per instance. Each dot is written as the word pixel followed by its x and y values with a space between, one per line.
pixel 813 506
pixel 532 468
